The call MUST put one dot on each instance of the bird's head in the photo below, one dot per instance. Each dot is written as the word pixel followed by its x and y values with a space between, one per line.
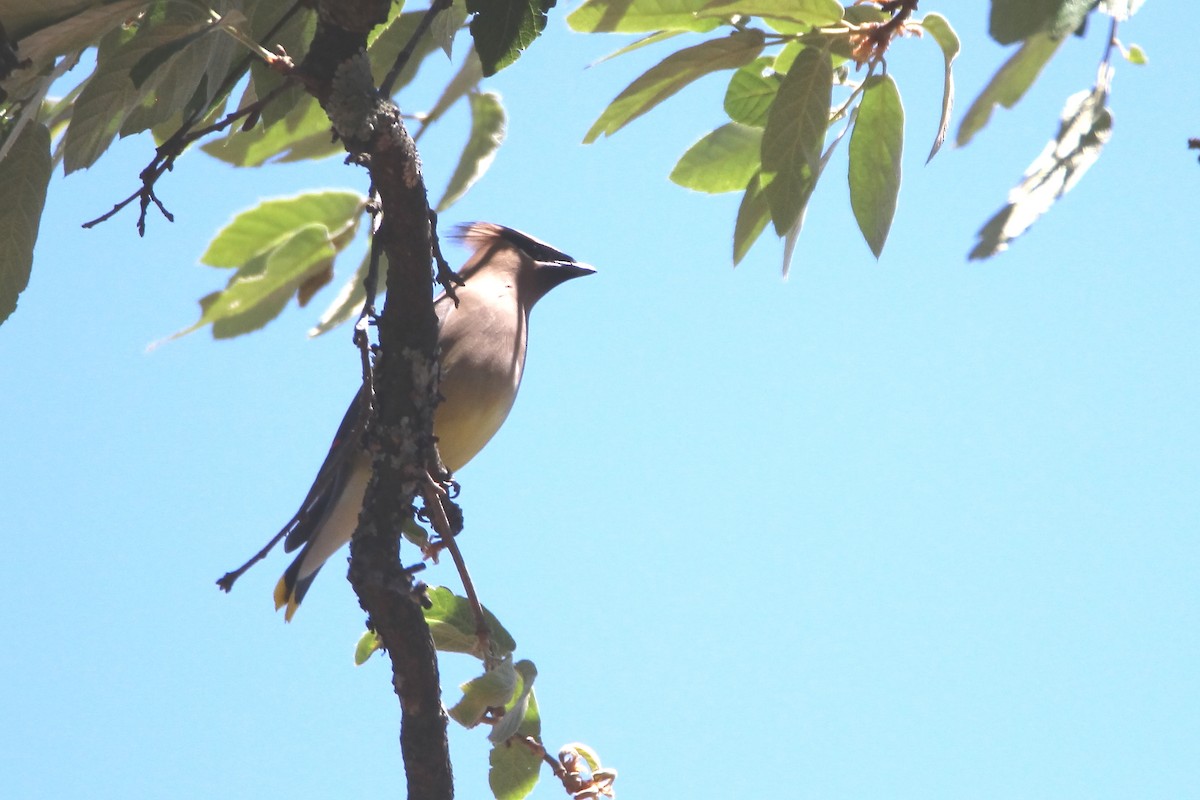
pixel 538 267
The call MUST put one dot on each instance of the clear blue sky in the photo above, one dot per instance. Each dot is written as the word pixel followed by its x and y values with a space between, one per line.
pixel 910 529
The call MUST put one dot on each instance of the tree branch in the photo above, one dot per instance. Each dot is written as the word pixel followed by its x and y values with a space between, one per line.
pixel 405 378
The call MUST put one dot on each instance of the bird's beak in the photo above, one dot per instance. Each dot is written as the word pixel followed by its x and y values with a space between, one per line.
pixel 552 273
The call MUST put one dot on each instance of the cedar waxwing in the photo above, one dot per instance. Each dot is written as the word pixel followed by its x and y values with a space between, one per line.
pixel 482 342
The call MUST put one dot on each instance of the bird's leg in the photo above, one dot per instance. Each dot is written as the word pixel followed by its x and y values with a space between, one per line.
pixel 226 580
pixel 434 494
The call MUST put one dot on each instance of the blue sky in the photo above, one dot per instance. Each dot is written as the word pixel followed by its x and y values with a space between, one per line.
pixel 909 529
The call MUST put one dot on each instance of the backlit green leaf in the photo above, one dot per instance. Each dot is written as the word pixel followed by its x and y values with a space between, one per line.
pixel 939 28
pixel 1009 84
pixel 723 161
pixel 639 16
pixel 1015 20
pixel 875 149
pixel 751 91
pixel 267 224
pixel 672 74
pixel 752 218
pixel 24 175
pixel 514 767
pixel 815 13
pixel 795 133
pixel 488 122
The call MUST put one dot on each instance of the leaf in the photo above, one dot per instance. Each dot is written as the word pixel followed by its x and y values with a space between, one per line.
pixel 795 132
pixel 1136 55
pixel 150 62
pixel 110 95
pixel 385 46
pixel 24 176
pixel 350 297
pixel 814 13
pixel 495 687
pixel 672 74
pixel 263 227
pixel 640 16
pixel 514 710
pixel 1085 127
pixel 1016 20
pixel 939 28
pixel 453 625
pixel 751 91
pixel 514 767
pixel 876 146
pixel 649 39
pixel 446 26
pixel 752 217
pixel 724 160
pixel 488 123
pixel 502 29
pixel 293 37
pixel 368 643
pixel 261 287
pixel 1008 85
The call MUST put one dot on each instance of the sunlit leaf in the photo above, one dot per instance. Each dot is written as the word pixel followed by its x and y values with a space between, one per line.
pixel 1085 127
pixel 264 226
pixel 814 13
pixel 488 122
pixel 368 643
pixel 514 767
pixel 939 28
pixel 876 146
pixel 453 625
pixel 751 91
pixel 639 16
pixel 24 175
pixel 495 687
pixel 672 74
pixel 514 710
pixel 752 218
pixel 795 132
pixel 723 161
pixel 1009 84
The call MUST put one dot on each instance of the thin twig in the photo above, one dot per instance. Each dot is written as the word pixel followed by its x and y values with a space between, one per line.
pixel 446 277
pixel 226 580
pixel 435 8
pixel 433 494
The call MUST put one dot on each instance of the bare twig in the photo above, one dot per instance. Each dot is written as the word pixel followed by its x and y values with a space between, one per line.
pixel 435 8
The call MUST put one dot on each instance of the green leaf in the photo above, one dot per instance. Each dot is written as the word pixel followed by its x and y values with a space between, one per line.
pixel 514 710
pixel 751 91
pixel 110 95
pixel 502 29
pixel 386 44
pixel 1009 84
pixel 368 643
pixel 875 149
pixel 640 16
pixel 263 227
pixel 939 28
pixel 1085 127
pixel 24 176
pixel 723 161
pixel 466 79
pixel 347 304
pixel 293 37
pixel 495 687
pixel 1136 55
pixel 752 218
pixel 649 39
pixel 453 625
pixel 795 132
pixel 514 767
pixel 488 123
pixel 672 74
pixel 151 61
pixel 1015 20
pixel 814 13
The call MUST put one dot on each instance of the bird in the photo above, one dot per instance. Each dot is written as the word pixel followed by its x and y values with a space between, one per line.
pixel 482 340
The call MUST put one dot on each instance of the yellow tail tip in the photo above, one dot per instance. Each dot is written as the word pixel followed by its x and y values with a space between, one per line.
pixel 284 597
